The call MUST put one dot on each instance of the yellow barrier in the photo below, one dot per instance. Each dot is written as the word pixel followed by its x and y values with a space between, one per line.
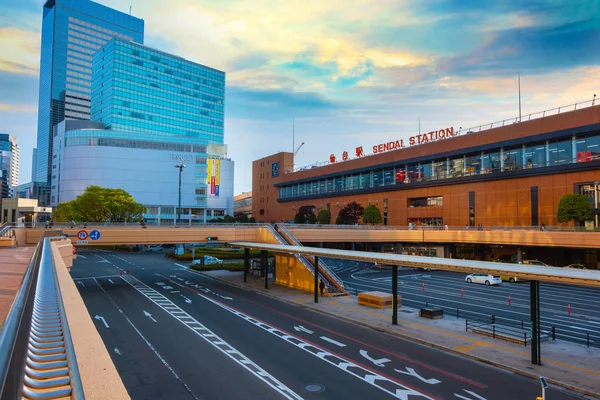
pixel 377 299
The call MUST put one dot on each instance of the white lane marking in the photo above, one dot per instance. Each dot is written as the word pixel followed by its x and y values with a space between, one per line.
pixel 95 277
pixel 81 283
pixel 300 328
pixel 101 318
pixel 468 398
pixel 117 351
pixel 175 291
pixel 147 314
pixel 412 372
pixel 593 322
pixel 381 382
pixel 79 255
pixel 182 266
pixel 325 338
pixel 157 354
pixel 111 281
pixel 582 329
pixel 98 283
pixel 211 338
pixel 379 362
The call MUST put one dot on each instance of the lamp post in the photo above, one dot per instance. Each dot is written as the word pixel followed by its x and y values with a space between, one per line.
pixel 181 167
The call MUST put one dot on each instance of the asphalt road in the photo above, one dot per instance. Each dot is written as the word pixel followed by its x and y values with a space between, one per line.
pixel 176 334
pixel 475 301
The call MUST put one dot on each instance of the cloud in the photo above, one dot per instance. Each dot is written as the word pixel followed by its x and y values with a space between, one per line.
pixel 19 51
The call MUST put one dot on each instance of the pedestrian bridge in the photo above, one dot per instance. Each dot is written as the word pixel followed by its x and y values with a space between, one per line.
pixel 154 234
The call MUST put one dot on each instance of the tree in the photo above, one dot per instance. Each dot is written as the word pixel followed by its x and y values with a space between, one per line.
pixel 305 215
pixel 575 207
pixel 372 215
pixel 350 214
pixel 241 217
pixel 228 219
pixel 324 217
pixel 98 204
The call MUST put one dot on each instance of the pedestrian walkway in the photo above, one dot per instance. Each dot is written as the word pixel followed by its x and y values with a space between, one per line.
pixel 569 365
pixel 13 264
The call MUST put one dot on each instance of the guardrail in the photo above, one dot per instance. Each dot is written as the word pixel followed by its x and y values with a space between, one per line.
pixel 37 359
pixel 6 229
pixel 474 318
pixel 555 228
pixel 85 225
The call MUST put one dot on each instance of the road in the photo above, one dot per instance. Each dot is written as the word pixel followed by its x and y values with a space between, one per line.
pixel 176 334
pixel 475 301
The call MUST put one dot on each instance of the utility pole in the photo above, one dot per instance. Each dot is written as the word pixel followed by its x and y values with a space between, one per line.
pixel 181 167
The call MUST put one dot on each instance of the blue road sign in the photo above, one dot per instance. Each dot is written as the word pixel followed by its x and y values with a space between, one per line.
pixel 95 235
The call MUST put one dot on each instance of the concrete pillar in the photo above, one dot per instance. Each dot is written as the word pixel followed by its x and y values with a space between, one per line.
pixel 352 247
pixel 520 254
pixel 398 247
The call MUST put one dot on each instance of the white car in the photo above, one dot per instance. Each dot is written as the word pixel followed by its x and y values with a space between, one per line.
pixel 154 247
pixel 208 260
pixel 484 279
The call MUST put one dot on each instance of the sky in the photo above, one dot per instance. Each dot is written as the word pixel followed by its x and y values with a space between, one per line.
pixel 343 74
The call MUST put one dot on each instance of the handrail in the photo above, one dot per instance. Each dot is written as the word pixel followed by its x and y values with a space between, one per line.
pixel 479 128
pixel 311 258
pixel 554 228
pixel 88 225
pixel 37 359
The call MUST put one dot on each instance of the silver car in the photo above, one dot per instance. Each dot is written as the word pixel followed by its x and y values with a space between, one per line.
pixel 484 279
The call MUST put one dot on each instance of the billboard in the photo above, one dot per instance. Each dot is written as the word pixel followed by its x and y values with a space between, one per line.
pixel 213 175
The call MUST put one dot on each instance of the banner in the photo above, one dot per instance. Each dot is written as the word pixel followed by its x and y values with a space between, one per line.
pixel 213 175
pixel 212 185
pixel 209 171
pixel 217 172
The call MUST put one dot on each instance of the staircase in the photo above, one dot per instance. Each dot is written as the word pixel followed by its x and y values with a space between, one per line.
pixel 332 282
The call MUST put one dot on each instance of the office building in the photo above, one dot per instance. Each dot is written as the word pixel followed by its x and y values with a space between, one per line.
pixel 511 175
pixel 33 164
pixel 150 112
pixel 72 31
pixel 242 204
pixel 9 163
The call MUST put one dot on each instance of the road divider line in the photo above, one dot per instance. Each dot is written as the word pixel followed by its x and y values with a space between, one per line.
pixel 325 338
pixel 210 337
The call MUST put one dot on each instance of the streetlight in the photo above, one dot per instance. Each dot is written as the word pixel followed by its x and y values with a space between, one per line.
pixel 181 167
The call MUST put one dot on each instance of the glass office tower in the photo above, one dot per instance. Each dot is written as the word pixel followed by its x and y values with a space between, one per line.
pixel 139 89
pixel 72 31
pixel 9 164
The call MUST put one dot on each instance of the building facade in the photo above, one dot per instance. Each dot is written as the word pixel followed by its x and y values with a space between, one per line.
pixel 150 112
pixel 9 164
pixel 512 175
pixel 72 31
pixel 242 204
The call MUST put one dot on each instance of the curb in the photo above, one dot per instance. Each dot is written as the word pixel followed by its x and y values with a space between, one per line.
pixel 528 374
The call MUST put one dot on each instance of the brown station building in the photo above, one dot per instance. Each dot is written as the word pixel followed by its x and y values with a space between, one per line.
pixel 511 175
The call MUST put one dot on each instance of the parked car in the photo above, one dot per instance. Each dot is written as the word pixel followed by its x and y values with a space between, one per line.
pixel 208 260
pixel 536 262
pixel 483 279
pixel 575 266
pixel 154 247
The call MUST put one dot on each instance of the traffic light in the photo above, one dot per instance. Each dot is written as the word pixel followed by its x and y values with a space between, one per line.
pixel 212 238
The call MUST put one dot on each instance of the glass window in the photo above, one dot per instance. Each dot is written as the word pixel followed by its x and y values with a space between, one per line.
pixel 535 156
pixel 513 159
pixel 438 169
pixel 588 148
pixel 413 173
pixel 330 185
pixel 378 178
pixel 425 170
pixel 365 180
pixel 338 183
pixel 356 181
pixel 560 152
pixel 323 186
pixel 348 182
pixel 491 162
pixel 388 176
pixel 309 188
pixel 457 166
pixel 473 164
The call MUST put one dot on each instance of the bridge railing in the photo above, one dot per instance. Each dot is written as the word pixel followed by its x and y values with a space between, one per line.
pixel 37 359
pixel 85 225
pixel 556 228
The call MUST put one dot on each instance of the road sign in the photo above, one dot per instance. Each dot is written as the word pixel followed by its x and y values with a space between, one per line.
pixel 82 242
pixel 95 235
pixel 82 235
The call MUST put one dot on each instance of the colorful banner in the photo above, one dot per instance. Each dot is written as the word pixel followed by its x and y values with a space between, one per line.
pixel 217 172
pixel 212 185
pixel 213 175
pixel 209 170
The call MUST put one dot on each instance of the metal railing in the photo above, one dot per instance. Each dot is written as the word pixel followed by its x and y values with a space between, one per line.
pixel 7 229
pixel 85 225
pixel 479 128
pixel 37 360
pixel 322 263
pixel 556 228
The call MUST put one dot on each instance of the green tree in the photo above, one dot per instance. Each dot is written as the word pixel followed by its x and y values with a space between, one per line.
pixel 98 204
pixel 305 215
pixel 575 207
pixel 241 217
pixel 324 217
pixel 350 214
pixel 372 215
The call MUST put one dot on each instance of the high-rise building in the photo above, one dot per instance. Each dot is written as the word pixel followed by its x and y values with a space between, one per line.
pixel 72 31
pixel 33 164
pixel 151 111
pixel 9 163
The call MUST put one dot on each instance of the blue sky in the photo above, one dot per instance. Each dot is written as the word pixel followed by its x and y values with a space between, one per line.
pixel 350 74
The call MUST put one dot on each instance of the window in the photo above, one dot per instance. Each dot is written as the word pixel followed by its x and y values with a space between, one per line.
pixel 513 159
pixel 438 169
pixel 535 156
pixel 425 201
pixel 560 152
pixel 473 164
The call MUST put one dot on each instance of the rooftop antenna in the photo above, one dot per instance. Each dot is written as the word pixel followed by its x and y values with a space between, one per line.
pixel 519 97
pixel 129 10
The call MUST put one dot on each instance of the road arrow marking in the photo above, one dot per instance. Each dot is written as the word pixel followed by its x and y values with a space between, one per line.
pixel 380 362
pixel 188 301
pixel 147 314
pixel 117 351
pixel 325 338
pixel 412 372
pixel 80 256
pixel 475 395
pixel 110 280
pixel 300 328
pixel 225 297
pixel 100 318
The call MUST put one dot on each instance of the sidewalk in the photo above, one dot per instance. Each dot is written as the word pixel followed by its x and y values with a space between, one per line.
pixel 569 365
pixel 13 264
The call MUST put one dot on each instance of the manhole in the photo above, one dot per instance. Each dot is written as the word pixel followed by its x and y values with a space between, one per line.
pixel 315 388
